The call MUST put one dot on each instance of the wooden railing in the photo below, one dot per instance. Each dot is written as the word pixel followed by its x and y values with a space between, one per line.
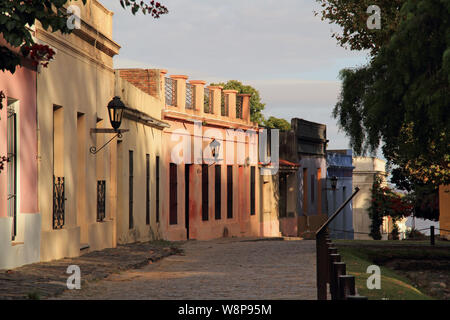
pixel 330 269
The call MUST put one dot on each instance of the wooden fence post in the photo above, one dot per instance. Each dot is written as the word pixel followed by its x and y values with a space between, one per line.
pixel 346 286
pixel 339 270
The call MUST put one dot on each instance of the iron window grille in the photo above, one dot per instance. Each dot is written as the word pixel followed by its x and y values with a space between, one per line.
pixel 239 102
pixel 59 202
pixel 190 96
pixel 208 101
pixel 101 200
pixel 171 92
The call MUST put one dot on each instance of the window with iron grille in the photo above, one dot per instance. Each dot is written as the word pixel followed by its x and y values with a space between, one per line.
pixel 173 216
pixel 58 202
pixel 171 92
pixel 252 191
pixel 218 192
pixel 130 190
pixel 239 102
pixel 225 104
pixel 208 101
pixel 190 96
pixel 229 192
pixel 205 193
pixel 101 200
pixel 147 189
pixel 157 189
pixel 12 168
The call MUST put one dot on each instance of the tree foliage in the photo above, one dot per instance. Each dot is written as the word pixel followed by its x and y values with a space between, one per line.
pixel 277 123
pixel 351 16
pixel 16 16
pixel 386 203
pixel 400 100
pixel 256 105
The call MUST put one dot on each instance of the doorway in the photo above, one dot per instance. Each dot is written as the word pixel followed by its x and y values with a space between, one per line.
pixel 12 179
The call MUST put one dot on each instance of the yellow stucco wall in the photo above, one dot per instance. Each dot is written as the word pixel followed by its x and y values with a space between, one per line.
pixel 142 140
pixel 79 81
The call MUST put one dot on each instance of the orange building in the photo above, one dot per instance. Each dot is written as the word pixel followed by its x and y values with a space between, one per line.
pixel 210 175
pixel 444 210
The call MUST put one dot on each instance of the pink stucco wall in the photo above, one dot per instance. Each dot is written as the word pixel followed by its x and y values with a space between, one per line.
pixel 243 224
pixel 21 86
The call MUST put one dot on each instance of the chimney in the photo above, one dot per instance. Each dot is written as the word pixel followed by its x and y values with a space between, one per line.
pixel 148 80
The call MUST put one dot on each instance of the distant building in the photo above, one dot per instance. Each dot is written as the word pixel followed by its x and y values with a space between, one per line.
pixel 365 171
pixel 340 166
pixel 305 144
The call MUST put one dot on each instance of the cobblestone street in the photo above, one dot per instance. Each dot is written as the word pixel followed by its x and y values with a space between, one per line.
pixel 220 269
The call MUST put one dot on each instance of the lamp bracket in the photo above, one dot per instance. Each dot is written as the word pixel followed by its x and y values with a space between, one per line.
pixel 118 134
pixel 105 130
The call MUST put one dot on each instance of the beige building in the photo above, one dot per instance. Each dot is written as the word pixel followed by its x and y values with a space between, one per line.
pixel 76 192
pixel 366 169
pixel 139 155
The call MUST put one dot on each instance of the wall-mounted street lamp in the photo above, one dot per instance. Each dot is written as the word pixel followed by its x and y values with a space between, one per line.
pixel 215 149
pixel 115 111
pixel 214 145
pixel 334 181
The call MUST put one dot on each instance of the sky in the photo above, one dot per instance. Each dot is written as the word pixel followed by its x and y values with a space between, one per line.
pixel 277 46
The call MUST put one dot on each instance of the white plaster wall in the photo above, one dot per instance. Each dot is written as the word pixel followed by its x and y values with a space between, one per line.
pixel 16 254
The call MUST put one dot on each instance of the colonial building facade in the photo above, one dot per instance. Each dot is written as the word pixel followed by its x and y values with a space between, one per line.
pixel 340 168
pixel 366 170
pixel 305 144
pixel 20 220
pixel 210 176
pixel 139 155
pixel 73 94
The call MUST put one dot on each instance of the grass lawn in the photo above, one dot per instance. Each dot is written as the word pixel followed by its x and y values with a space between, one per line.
pixel 358 255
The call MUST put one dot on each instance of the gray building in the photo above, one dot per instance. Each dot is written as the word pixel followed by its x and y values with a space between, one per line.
pixel 305 144
pixel 340 168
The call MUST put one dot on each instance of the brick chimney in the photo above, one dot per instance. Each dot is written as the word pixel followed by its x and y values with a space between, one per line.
pixel 148 80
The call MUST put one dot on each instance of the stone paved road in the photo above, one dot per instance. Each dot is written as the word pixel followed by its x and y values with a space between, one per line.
pixel 220 269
